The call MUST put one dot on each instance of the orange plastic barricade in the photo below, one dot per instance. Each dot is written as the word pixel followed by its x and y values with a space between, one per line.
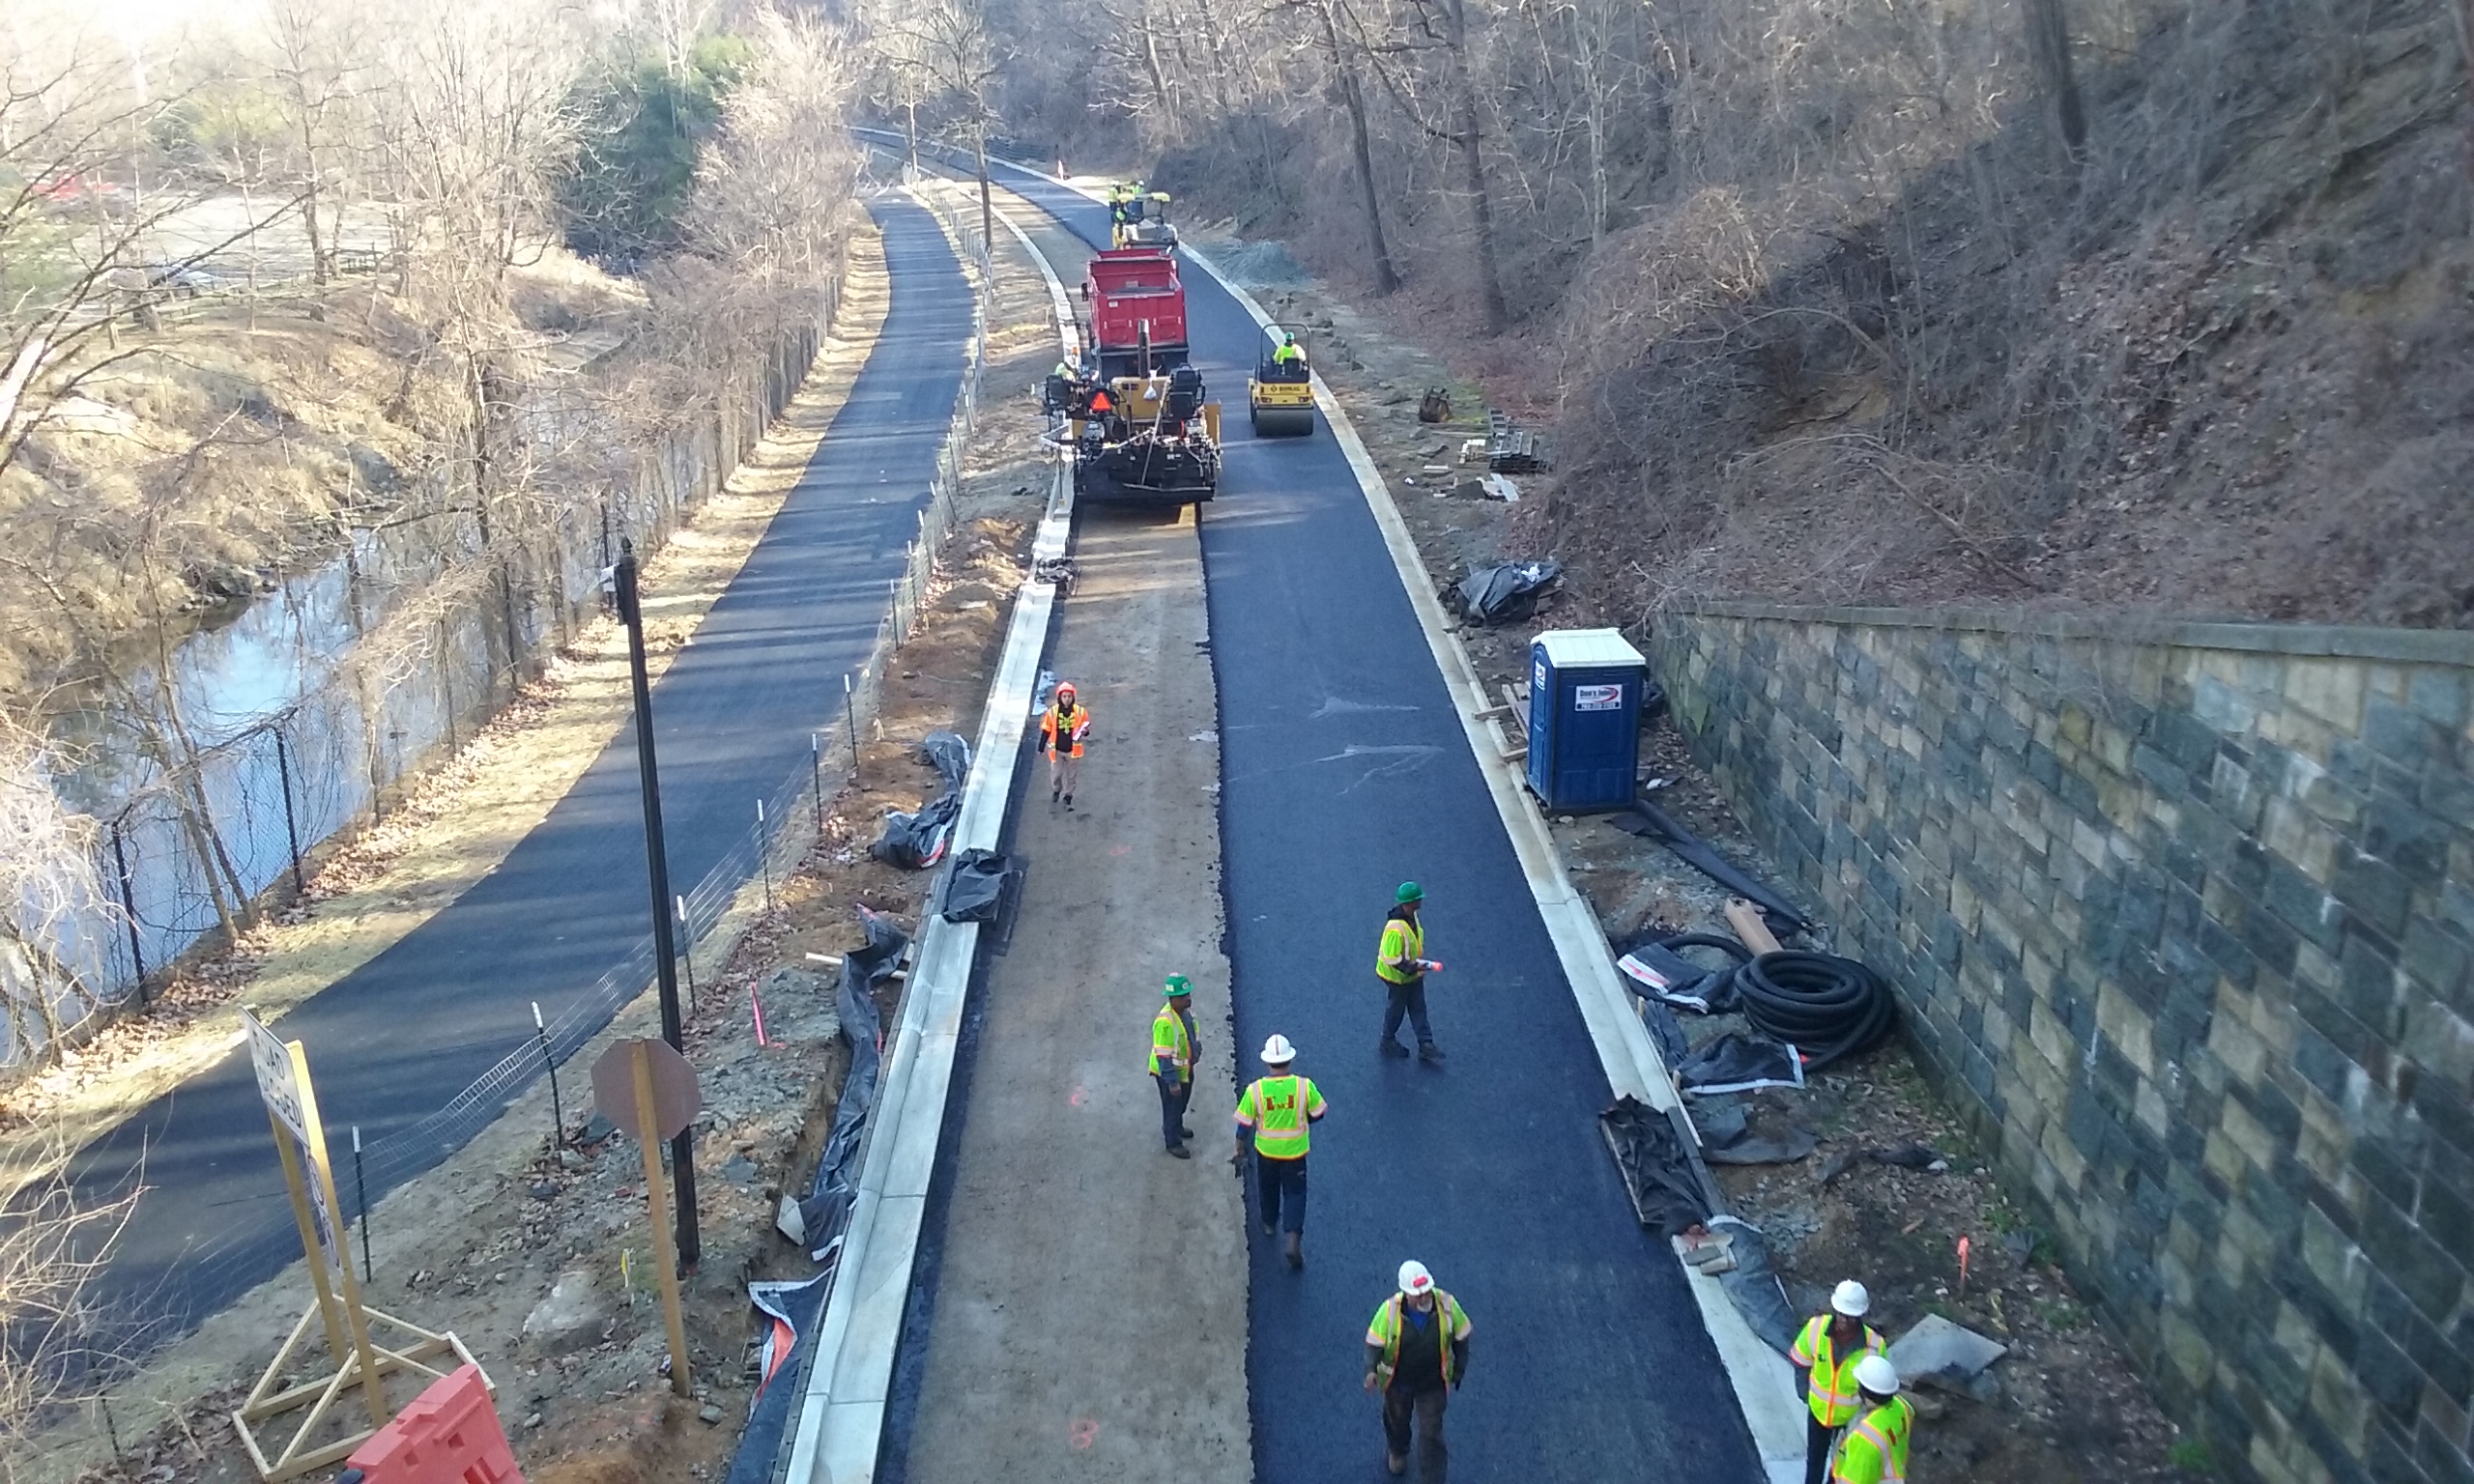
pixel 450 1434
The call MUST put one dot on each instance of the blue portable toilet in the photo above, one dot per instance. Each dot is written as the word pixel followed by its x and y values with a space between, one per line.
pixel 1584 718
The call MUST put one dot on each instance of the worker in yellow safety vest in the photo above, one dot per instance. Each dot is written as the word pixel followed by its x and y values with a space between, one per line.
pixel 1827 1350
pixel 1874 1451
pixel 1172 1061
pixel 1290 357
pixel 1417 1353
pixel 1274 1117
pixel 1403 972
pixel 1063 726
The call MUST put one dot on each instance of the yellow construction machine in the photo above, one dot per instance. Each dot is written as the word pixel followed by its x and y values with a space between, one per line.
pixel 1280 395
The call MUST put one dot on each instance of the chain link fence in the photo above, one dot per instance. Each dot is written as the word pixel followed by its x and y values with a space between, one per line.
pixel 784 825
pixel 192 845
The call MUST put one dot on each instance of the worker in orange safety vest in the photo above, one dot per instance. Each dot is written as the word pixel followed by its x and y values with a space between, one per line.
pixel 1063 728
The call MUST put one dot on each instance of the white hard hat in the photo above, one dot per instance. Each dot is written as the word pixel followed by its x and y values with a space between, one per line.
pixel 1852 1299
pixel 1278 1050
pixel 1876 1374
pixel 1415 1279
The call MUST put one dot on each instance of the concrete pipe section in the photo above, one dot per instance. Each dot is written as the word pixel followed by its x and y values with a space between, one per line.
pixel 393 1042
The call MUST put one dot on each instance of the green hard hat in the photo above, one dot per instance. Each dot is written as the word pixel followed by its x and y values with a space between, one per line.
pixel 1177 984
pixel 1409 892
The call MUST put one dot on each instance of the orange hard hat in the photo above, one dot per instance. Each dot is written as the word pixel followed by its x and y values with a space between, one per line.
pixel 1066 687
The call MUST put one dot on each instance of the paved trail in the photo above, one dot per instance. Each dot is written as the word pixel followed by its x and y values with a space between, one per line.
pixel 393 1042
pixel 1345 771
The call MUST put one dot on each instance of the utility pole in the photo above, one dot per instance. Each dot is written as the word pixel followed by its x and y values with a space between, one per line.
pixel 682 1146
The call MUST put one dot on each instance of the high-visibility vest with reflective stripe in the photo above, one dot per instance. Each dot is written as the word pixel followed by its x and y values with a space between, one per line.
pixel 1874 1451
pixel 1390 1323
pixel 1065 727
pixel 1169 1043
pixel 1277 1109
pixel 1401 939
pixel 1831 1392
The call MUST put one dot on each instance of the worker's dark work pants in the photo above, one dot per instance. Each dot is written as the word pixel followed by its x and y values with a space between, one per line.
pixel 1818 1440
pixel 1175 1095
pixel 1410 1000
pixel 1280 1187
pixel 1400 1401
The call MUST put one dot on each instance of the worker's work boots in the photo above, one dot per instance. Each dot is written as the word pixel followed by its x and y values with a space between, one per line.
pixel 1296 1250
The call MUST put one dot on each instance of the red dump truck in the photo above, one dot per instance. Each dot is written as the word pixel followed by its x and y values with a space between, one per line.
pixel 1138 311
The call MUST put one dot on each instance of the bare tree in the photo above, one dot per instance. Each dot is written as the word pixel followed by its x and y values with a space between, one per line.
pixel 950 46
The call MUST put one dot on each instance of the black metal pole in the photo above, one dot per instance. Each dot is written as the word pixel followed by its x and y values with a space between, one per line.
pixel 815 766
pixel 361 1188
pixel 850 724
pixel 764 854
pixel 129 909
pixel 291 826
pixel 683 1149
pixel 558 1110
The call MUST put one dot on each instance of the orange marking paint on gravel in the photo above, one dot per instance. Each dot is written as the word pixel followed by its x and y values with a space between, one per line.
pixel 1084 1433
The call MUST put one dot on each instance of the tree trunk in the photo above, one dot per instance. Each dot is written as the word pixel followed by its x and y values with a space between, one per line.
pixel 2048 52
pixel 1473 155
pixel 986 211
pixel 1387 278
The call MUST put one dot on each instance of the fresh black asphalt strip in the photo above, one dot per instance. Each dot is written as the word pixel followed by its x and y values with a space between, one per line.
pixel 1345 772
pixel 394 1041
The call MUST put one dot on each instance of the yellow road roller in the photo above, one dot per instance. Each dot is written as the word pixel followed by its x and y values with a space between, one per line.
pixel 1279 398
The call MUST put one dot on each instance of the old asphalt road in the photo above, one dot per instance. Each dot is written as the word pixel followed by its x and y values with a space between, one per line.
pixel 1343 773
pixel 1086 1289
pixel 394 1041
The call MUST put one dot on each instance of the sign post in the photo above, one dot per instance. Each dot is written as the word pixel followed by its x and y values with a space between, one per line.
pixel 300 1142
pixel 648 1087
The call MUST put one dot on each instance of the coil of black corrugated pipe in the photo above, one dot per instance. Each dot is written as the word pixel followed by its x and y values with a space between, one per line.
pixel 1825 1008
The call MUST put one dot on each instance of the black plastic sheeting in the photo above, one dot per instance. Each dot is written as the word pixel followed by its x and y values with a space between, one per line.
pixel 826 1207
pixel 1753 1284
pixel 798 1308
pixel 918 840
pixel 1656 1167
pixel 1505 593
pixel 1648 820
pixel 1658 965
pixel 1735 1063
pixel 976 885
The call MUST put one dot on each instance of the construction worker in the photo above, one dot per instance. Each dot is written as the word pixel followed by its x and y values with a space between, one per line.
pixel 1291 357
pixel 1063 726
pixel 1172 1061
pixel 1273 1117
pixel 1417 1354
pixel 1404 974
pixel 1874 1450
pixel 1827 1350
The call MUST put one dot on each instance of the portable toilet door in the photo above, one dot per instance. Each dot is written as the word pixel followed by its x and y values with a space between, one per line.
pixel 1584 718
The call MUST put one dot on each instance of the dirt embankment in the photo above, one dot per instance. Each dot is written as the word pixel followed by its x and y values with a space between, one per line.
pixel 1871 327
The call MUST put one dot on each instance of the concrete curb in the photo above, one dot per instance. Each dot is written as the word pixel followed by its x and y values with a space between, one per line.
pixel 842 1409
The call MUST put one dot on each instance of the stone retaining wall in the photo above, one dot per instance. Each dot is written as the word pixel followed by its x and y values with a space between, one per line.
pixel 2182 916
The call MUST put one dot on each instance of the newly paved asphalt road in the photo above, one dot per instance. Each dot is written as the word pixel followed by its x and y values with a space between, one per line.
pixel 1345 772
pixel 393 1042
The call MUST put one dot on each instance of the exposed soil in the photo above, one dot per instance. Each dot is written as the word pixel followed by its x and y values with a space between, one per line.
pixel 2068 1407
pixel 475 1246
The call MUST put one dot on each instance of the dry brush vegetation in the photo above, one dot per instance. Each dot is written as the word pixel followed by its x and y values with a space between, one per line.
pixel 2124 302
